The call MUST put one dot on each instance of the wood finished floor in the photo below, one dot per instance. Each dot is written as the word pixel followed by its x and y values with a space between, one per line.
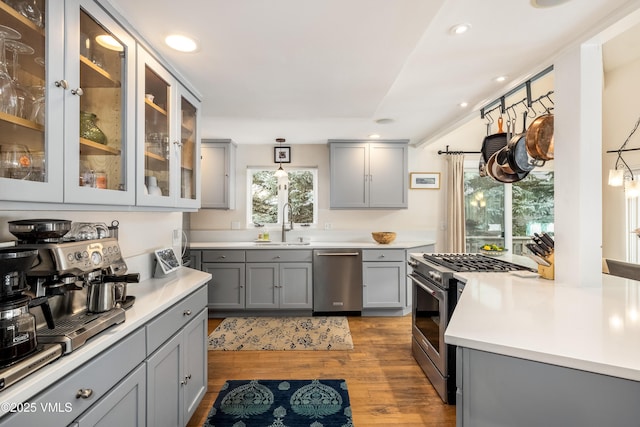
pixel 386 386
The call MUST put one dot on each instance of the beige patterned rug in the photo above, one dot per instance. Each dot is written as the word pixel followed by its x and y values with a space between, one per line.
pixel 282 333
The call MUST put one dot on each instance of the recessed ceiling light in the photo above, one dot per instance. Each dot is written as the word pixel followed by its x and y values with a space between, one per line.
pixel 547 3
pixel 107 40
pixel 181 43
pixel 500 79
pixel 384 121
pixel 464 104
pixel 458 29
pixel 374 136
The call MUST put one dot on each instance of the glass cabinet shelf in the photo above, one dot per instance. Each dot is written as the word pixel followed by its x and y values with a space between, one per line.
pixel 88 147
pixel 17 126
pixel 94 76
pixel 155 107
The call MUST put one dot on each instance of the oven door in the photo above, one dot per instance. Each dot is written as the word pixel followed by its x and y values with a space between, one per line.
pixel 430 309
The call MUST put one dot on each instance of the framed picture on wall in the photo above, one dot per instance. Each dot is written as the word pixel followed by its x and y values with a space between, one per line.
pixel 424 180
pixel 282 155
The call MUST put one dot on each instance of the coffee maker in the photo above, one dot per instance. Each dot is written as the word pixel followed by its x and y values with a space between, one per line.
pixel 58 282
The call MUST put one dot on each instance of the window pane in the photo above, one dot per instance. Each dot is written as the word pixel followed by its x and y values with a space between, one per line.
pixel 484 211
pixel 301 196
pixel 264 190
pixel 532 207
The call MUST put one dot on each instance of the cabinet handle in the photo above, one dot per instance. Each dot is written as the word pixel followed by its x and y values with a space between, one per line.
pixel 277 257
pixel 178 143
pixel 84 393
pixel 222 257
pixel 77 91
pixel 62 83
pixel 185 380
pixel 186 313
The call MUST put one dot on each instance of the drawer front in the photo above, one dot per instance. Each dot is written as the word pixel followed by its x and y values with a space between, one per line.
pixel 171 321
pixel 222 256
pixel 94 378
pixel 280 255
pixel 383 255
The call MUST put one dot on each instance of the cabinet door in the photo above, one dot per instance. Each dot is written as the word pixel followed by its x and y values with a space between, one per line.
pixel 195 260
pixel 295 286
pixel 99 125
pixel 384 284
pixel 124 405
pixel 262 282
pixel 227 285
pixel 218 166
pixel 156 90
pixel 165 383
pixel 31 160
pixel 349 175
pixel 187 172
pixel 388 177
pixel 195 359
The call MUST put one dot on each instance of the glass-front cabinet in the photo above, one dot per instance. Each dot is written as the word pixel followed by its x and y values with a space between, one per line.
pixel 87 116
pixel 99 104
pixel 169 159
pixel 31 145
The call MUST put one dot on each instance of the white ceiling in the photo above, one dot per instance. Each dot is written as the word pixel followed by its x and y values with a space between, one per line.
pixel 311 70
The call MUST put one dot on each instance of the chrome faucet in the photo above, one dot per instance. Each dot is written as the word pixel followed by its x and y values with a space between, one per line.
pixel 284 229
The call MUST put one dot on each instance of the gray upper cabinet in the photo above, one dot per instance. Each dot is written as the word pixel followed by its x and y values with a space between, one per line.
pixel 218 174
pixel 369 174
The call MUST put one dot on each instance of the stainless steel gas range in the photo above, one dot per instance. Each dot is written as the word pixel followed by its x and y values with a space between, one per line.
pixel 434 299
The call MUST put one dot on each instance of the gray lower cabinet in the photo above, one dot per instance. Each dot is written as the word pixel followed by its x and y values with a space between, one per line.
pixel 195 260
pixel 384 278
pixel 496 390
pixel 122 406
pixel 104 385
pixel 177 368
pixel 227 285
pixel 279 279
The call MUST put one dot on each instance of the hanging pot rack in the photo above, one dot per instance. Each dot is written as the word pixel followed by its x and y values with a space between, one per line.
pixel 446 151
pixel 528 101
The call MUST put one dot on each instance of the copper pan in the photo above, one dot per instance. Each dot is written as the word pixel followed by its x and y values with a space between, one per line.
pixel 539 138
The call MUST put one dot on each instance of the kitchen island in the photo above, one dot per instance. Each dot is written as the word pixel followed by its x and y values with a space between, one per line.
pixel 536 352
pixel 109 362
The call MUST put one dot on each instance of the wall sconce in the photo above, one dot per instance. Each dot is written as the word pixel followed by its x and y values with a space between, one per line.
pixel 617 174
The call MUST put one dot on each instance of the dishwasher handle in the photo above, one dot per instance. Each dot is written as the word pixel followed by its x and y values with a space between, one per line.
pixel 338 253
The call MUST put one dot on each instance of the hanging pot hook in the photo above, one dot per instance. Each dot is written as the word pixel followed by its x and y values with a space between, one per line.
pixel 543 106
pixel 551 101
pixel 489 118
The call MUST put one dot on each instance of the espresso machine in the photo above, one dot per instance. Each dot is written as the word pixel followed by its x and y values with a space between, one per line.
pixel 74 286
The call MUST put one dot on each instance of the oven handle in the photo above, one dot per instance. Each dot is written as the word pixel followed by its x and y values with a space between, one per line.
pixel 438 293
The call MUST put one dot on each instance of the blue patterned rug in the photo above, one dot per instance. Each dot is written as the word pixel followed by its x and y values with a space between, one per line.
pixel 280 403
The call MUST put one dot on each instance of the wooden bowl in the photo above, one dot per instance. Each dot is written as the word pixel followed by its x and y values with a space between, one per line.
pixel 384 237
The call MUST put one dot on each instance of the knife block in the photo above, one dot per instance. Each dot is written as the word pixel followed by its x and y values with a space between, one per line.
pixel 547 272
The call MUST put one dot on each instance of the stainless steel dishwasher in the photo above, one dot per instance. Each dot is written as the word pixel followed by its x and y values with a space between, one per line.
pixel 337 281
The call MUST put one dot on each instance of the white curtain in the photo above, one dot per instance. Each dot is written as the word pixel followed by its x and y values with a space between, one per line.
pixel 455 204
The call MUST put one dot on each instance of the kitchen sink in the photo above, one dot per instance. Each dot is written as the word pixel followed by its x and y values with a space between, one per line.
pixel 282 243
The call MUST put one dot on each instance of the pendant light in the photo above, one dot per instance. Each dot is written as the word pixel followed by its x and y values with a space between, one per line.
pixel 618 175
pixel 280 173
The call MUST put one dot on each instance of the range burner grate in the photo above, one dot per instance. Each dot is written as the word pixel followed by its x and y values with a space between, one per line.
pixel 472 262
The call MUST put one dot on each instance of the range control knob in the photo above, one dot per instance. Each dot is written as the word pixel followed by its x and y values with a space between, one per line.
pixel 78 255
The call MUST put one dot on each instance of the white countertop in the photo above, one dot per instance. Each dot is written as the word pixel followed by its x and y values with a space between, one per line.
pixel 594 329
pixel 311 245
pixel 153 296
